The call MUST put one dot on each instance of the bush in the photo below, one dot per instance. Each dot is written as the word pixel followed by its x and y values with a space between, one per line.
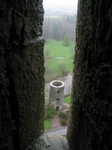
pixel 62 67
pixel 64 118
pixel 63 122
pixel 66 41
pixel 49 112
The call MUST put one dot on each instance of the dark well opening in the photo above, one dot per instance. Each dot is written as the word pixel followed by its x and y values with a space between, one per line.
pixel 57 83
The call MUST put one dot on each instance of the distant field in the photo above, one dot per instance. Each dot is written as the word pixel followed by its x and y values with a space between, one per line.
pixel 55 54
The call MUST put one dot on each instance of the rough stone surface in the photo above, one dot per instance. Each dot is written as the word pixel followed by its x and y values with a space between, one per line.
pixel 90 121
pixel 22 77
pixel 21 73
pixel 51 142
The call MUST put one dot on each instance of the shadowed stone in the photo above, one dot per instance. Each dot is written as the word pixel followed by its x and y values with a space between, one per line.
pixel 51 142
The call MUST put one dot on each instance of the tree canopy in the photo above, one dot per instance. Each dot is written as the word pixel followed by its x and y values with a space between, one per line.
pixel 66 40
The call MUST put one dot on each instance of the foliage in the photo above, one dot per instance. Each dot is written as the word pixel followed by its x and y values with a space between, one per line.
pixel 62 67
pixel 47 124
pixel 66 40
pixel 67 99
pixel 57 27
pixel 49 112
pixel 56 32
pixel 64 118
pixel 71 19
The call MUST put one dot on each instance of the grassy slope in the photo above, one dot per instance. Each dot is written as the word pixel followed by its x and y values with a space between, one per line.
pixel 49 115
pixel 47 124
pixel 58 50
pixel 67 99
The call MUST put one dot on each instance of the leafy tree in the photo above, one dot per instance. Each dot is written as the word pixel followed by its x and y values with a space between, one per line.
pixel 46 29
pixel 49 112
pixel 66 41
pixel 57 28
pixel 56 32
pixel 62 67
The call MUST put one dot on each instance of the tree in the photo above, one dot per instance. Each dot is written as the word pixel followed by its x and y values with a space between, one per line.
pixel 56 32
pixel 46 29
pixel 66 41
pixel 62 67
pixel 57 28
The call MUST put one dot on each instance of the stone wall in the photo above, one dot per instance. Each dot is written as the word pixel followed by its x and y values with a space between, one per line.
pixel 91 102
pixel 21 73
pixel 22 76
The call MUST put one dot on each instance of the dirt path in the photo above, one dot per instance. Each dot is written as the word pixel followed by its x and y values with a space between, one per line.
pixel 55 122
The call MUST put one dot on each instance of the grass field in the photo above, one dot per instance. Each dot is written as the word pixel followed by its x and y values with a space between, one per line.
pixel 47 124
pixel 57 54
pixel 67 99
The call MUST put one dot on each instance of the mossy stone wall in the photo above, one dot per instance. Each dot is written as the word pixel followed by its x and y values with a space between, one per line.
pixel 22 76
pixel 91 101
pixel 21 73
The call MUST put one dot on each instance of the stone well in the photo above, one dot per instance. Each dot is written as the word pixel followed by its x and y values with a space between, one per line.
pixel 56 93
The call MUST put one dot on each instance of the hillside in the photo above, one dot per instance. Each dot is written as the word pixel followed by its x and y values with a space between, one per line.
pixel 58 59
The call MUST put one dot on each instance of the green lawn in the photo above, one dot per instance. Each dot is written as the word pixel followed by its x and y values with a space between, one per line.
pixel 67 99
pixel 47 124
pixel 58 54
pixel 49 115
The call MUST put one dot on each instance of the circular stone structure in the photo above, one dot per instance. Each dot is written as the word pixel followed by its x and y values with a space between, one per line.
pixel 56 93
